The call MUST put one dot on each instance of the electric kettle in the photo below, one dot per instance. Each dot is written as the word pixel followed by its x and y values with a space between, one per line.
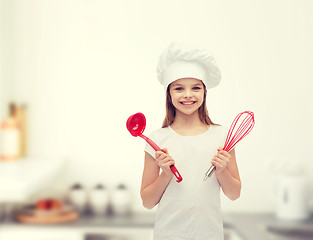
pixel 291 198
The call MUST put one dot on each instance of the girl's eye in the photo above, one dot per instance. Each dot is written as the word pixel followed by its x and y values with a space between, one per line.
pixel 196 88
pixel 179 89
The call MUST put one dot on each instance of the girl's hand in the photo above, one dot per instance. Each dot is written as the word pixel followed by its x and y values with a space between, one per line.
pixel 221 160
pixel 164 161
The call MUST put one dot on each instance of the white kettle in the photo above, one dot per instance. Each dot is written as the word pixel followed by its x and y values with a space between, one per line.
pixel 291 198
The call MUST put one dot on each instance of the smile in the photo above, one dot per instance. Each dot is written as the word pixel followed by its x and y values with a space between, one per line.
pixel 188 103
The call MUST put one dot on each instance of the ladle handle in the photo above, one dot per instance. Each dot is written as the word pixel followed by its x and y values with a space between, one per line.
pixel 176 173
pixel 157 148
pixel 151 143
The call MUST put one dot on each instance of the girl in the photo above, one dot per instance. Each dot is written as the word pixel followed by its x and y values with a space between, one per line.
pixel 190 140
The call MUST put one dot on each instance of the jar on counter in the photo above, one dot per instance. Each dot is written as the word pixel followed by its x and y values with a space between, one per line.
pixel 121 200
pixel 78 197
pixel 99 199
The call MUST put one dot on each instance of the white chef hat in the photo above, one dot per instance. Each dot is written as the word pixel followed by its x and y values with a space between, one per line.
pixel 181 60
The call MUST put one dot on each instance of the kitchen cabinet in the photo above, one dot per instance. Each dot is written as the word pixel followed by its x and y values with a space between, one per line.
pixel 35 233
pixel 139 226
pixel 84 233
pixel 119 234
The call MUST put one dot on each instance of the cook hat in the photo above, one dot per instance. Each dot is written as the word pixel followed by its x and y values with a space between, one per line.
pixel 181 60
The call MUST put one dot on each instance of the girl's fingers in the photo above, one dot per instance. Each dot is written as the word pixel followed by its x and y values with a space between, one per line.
pixel 165 160
pixel 157 154
pixel 217 164
pixel 219 158
pixel 160 155
pixel 222 157
pixel 224 153
pixel 167 165
pixel 220 149
pixel 220 162
pixel 171 162
pixel 164 150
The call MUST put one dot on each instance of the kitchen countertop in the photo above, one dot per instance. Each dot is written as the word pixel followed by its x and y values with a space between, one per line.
pixel 249 226
pixel 265 226
pixel 136 220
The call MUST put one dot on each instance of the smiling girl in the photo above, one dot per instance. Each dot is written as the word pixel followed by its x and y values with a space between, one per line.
pixel 190 140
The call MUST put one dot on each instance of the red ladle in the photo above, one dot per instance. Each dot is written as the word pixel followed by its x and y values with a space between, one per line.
pixel 136 124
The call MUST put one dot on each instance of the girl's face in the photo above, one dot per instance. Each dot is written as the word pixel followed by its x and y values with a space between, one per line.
pixel 187 95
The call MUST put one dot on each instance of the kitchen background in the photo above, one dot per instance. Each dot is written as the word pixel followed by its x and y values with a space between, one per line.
pixel 82 67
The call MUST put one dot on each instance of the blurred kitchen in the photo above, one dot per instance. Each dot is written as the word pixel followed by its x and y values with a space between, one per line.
pixel 71 73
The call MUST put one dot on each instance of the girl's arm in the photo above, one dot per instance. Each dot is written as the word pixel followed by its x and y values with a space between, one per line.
pixel 227 173
pixel 154 184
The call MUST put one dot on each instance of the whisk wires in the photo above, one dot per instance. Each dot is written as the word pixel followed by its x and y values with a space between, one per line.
pixel 236 134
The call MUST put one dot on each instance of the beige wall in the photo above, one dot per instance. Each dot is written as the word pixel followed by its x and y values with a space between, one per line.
pixel 84 66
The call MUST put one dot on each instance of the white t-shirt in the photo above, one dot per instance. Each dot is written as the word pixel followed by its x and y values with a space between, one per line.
pixel 189 210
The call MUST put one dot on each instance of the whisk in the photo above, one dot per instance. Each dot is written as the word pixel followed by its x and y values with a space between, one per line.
pixel 241 126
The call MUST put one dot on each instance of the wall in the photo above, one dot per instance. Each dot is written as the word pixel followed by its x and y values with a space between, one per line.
pixel 1 61
pixel 83 67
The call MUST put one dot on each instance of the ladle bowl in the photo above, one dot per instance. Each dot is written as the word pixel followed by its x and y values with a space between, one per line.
pixel 136 125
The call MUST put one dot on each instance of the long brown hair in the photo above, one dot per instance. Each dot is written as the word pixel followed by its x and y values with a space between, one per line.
pixel 171 111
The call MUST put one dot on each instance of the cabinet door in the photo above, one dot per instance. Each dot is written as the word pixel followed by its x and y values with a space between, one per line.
pixel 120 234
pixel 39 234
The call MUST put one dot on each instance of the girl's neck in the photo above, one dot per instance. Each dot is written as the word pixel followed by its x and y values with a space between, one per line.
pixel 183 121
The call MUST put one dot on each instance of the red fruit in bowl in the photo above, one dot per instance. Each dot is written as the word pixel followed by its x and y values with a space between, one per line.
pixel 55 204
pixel 41 205
pixel 48 204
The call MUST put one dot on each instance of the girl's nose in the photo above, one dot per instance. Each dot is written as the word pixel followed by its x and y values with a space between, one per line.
pixel 188 93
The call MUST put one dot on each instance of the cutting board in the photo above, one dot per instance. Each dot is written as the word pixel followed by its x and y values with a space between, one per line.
pixel 34 216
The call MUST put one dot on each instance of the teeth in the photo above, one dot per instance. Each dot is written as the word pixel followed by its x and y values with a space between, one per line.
pixel 188 103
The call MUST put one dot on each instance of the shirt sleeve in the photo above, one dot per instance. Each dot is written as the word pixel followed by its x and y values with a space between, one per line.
pixel 224 133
